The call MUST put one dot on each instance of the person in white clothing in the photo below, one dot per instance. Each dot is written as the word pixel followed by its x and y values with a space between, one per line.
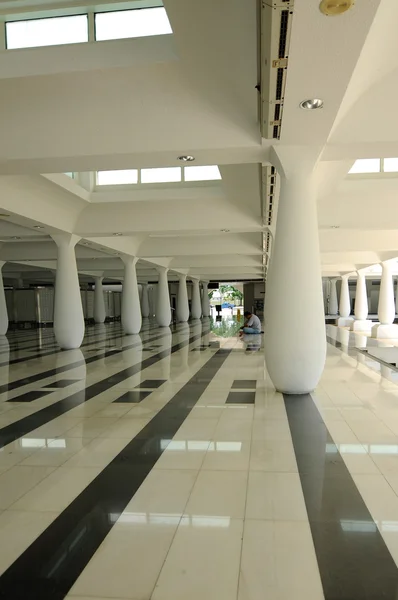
pixel 252 324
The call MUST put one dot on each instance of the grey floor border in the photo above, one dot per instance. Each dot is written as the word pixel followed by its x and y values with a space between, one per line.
pixel 353 559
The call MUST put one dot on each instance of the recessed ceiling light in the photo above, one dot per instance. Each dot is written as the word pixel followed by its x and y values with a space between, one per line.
pixel 186 158
pixel 311 104
pixel 38 227
pixel 118 233
pixel 225 230
pixel 332 8
pixel 335 227
pixel 15 237
pixel 86 243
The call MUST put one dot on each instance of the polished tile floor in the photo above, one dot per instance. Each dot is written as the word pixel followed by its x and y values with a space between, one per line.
pixel 165 466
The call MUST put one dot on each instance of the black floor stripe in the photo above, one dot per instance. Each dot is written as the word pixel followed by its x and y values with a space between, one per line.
pixel 51 565
pixel 18 429
pixel 13 385
pixel 353 559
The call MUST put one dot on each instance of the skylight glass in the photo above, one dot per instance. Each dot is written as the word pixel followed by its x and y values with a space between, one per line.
pixel 47 32
pixel 117 177
pixel 366 165
pixel 131 24
pixel 163 175
pixel 206 173
pixel 390 165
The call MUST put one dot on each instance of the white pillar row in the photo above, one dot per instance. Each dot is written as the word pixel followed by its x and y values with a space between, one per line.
pixel 68 310
pixel 99 301
pixel 145 301
pixel 182 300
pixel 295 340
pixel 131 308
pixel 361 298
pixel 333 304
pixel 386 307
pixel 196 304
pixel 205 300
pixel 3 305
pixel 163 311
pixel 345 304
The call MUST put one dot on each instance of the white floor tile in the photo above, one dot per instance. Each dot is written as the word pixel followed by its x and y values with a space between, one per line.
pixel 17 481
pixel 275 496
pixel 278 562
pixel 227 456
pixel 203 561
pixel 273 455
pixel 218 493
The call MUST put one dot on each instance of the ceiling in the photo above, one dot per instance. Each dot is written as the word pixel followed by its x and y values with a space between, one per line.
pixel 143 102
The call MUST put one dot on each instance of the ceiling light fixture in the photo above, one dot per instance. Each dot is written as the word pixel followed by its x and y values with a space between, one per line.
pixel 118 233
pixel 225 230
pixel 333 8
pixel 311 104
pixel 15 237
pixel 335 227
pixel 38 227
pixel 186 158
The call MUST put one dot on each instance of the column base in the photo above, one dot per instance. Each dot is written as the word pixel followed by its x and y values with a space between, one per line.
pixel 345 321
pixel 385 332
pixel 364 325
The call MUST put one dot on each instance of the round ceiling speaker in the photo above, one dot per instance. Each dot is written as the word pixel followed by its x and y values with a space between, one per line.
pixel 332 8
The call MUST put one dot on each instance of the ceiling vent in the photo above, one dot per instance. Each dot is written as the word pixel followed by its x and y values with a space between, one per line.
pixel 276 23
pixel 269 186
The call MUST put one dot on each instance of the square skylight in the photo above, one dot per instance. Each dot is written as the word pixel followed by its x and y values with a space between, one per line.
pixel 161 175
pixel 366 165
pixel 128 176
pixel 390 165
pixel 132 24
pixel 202 173
pixel 47 32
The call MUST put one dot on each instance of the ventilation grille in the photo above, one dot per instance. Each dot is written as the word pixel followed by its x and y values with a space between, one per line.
pixel 276 22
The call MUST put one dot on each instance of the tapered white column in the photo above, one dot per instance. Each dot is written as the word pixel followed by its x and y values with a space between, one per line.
pixel 196 305
pixel 3 305
pixel 99 301
pixel 333 304
pixel 386 307
pixel 361 298
pixel 145 301
pixel 68 310
pixel 345 304
pixel 396 299
pixel 206 312
pixel 182 300
pixel 295 340
pixel 131 309
pixel 163 311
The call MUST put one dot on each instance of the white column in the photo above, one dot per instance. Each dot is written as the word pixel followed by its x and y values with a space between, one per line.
pixel 361 298
pixel 345 304
pixel 68 310
pixel 205 300
pixel 333 304
pixel 396 299
pixel 196 305
pixel 386 307
pixel 182 300
pixel 3 305
pixel 131 309
pixel 163 311
pixel 295 340
pixel 99 301
pixel 145 301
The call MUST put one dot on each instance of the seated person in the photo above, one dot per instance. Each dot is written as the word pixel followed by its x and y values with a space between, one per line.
pixel 252 324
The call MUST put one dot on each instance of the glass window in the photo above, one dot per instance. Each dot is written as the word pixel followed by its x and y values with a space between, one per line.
pixel 71 175
pixel 131 23
pixel 117 177
pixel 47 32
pixel 390 165
pixel 162 175
pixel 366 165
pixel 206 173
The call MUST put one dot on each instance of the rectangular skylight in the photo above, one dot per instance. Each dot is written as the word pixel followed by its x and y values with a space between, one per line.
pixel 205 173
pixel 366 165
pixel 162 175
pixel 117 177
pixel 131 24
pixel 390 165
pixel 47 32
